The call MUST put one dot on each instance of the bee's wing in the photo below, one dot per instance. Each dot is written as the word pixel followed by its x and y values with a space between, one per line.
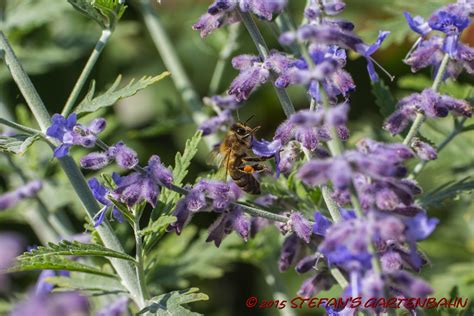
pixel 221 161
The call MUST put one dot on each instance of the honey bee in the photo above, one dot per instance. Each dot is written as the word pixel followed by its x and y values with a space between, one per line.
pixel 237 159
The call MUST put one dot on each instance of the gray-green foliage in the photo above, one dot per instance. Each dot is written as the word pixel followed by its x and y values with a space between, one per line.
pixel 55 257
pixel 105 12
pixel 93 103
pixel 449 190
pixel 173 303
pixel 89 284
pixel 17 144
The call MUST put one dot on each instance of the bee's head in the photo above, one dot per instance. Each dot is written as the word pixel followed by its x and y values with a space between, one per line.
pixel 243 131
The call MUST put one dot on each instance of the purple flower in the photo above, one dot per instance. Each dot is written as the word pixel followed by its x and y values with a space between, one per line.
pixel 216 123
pixel 124 156
pixel 307 263
pixel 328 34
pixel 232 220
pixel 96 160
pixel 321 224
pixel 417 24
pixel 29 190
pixel 227 102
pixel 222 195
pixel 11 245
pixel 118 307
pixel 57 304
pixel 210 22
pixel 300 226
pixel 321 281
pixel 317 8
pixel 423 150
pixel 70 133
pixel 247 81
pixel 427 102
pixel 263 9
pixel 289 250
pixel 451 20
pixel 143 186
pixel 100 194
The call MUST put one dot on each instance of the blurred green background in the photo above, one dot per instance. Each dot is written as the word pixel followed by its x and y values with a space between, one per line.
pixel 53 41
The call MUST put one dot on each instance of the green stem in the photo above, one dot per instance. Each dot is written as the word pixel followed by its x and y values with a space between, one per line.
pixel 192 101
pixel 262 49
pixel 139 255
pixel 110 240
pixel 19 127
pixel 224 55
pixel 420 117
pixel 24 83
pixel 76 91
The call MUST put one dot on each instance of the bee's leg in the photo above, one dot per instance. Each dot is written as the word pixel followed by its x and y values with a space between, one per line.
pixel 255 159
pixel 250 169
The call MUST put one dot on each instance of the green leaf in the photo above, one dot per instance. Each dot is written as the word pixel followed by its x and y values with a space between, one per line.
pixel 98 285
pixel 172 303
pixel 383 98
pixel 446 191
pixel 27 262
pixel 105 12
pixel 112 95
pixel 17 144
pixel 181 165
pixel 74 248
pixel 159 225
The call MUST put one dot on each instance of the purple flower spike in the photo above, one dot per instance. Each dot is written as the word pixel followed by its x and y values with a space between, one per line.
pixel 263 9
pixel 301 226
pixel 418 24
pixel 183 216
pixel 29 190
pixel 95 160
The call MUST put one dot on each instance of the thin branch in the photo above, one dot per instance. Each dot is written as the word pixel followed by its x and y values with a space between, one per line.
pixel 76 91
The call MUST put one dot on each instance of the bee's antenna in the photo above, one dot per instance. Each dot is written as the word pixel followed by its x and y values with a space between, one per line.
pixel 249 119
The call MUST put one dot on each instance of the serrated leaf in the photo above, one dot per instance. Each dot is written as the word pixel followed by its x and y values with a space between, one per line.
pixel 86 8
pixel 96 284
pixel 383 98
pixel 446 191
pixel 74 248
pixel 181 165
pixel 112 95
pixel 159 225
pixel 105 12
pixel 53 262
pixel 184 256
pixel 172 303
pixel 17 144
